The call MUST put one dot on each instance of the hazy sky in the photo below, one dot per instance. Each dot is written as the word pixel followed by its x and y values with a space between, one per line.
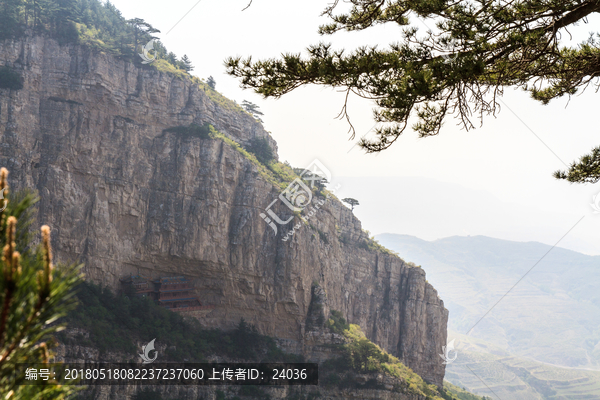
pixel 503 160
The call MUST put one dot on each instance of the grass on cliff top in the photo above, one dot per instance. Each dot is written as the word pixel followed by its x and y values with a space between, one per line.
pixel 165 66
pixel 95 33
pixel 278 174
pixel 373 244
pixel 90 36
pixel 361 356
pixel 217 97
pixel 274 172
pixel 99 25
pixel 115 324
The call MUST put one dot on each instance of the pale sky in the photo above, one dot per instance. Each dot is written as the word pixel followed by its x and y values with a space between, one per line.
pixel 503 161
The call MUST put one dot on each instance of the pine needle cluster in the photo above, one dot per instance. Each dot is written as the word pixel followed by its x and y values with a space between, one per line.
pixel 459 67
pixel 34 294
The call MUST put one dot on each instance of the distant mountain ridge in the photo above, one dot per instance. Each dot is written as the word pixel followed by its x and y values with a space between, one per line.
pixel 430 209
pixel 552 315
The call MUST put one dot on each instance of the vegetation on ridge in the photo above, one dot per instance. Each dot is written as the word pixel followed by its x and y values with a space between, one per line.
pixel 90 22
pixel 373 244
pixel 261 149
pixel 361 356
pixel 257 152
pixel 102 27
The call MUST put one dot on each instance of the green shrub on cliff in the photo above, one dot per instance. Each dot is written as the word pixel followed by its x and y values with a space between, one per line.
pixel 217 97
pixel 10 79
pixel 336 322
pixel 373 244
pixel 165 66
pixel 261 149
pixel 193 130
pixel 361 356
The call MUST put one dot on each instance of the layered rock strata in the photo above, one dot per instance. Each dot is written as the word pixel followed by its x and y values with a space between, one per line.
pixel 123 196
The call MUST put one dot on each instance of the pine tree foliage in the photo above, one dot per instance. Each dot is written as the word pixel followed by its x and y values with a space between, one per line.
pixel 253 109
pixel 186 63
pixel 211 82
pixel 141 31
pixel 351 201
pixel 33 295
pixel 261 149
pixel 586 170
pixel 477 49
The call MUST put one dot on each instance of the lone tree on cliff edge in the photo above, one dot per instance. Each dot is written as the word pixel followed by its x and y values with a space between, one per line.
pixel 253 109
pixel 351 201
pixel 141 31
pixel 211 82
pixel 478 49
pixel 186 63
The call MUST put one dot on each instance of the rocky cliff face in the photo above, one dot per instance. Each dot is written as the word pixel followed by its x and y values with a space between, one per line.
pixel 122 196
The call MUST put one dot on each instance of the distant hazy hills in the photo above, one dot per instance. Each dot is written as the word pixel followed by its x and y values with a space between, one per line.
pixel 552 315
pixel 432 209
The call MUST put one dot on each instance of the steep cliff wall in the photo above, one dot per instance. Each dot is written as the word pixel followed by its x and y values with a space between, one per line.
pixel 123 196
